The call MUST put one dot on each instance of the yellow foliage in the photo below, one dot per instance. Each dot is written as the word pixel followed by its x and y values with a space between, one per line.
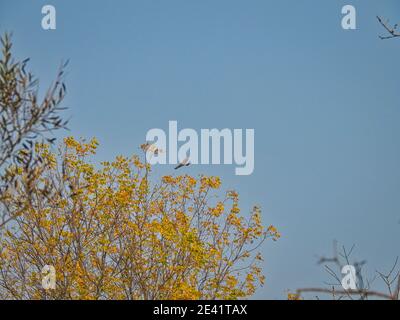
pixel 111 233
pixel 293 296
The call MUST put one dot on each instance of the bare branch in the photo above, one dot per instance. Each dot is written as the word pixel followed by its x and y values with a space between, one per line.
pixel 391 30
pixel 334 292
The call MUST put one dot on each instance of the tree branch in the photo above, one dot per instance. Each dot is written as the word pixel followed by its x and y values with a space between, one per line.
pixel 392 30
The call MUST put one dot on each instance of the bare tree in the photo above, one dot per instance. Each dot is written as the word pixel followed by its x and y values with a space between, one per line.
pixel 364 291
pixel 24 119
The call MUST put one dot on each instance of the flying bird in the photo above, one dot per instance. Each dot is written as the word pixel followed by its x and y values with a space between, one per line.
pixel 184 163
pixel 147 147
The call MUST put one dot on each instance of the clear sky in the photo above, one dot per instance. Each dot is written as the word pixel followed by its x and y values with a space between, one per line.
pixel 324 104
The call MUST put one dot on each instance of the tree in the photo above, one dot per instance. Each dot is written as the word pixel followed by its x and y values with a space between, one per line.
pixel 24 119
pixel 111 233
pixel 364 287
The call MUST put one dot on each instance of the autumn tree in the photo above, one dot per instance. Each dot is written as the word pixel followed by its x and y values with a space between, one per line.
pixel 24 119
pixel 111 232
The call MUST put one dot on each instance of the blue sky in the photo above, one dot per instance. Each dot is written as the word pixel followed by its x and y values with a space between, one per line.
pixel 324 104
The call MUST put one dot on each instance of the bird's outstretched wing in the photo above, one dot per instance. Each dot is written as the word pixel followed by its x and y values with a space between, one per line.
pixel 184 163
